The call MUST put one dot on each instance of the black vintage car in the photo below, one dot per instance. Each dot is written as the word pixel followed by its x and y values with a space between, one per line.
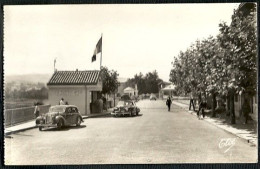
pixel 59 116
pixel 125 107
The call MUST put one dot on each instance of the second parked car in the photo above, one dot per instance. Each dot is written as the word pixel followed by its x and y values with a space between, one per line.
pixel 125 107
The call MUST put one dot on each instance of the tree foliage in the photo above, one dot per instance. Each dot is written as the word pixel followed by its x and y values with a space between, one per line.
pixel 109 80
pixel 218 65
pixel 145 84
pixel 25 91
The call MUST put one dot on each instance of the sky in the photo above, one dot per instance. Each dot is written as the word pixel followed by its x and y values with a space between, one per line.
pixel 136 37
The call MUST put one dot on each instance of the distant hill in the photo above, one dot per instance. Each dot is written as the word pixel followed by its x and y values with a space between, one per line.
pixel 35 78
pixel 32 78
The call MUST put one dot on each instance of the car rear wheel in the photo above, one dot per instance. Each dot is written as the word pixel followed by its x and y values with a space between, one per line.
pixel 78 121
pixel 60 124
pixel 40 128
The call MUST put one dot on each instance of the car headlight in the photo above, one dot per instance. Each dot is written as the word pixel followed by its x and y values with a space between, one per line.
pixel 53 117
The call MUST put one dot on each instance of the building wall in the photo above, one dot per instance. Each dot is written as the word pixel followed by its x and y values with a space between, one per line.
pixel 255 109
pixel 74 95
pixel 78 95
pixel 129 92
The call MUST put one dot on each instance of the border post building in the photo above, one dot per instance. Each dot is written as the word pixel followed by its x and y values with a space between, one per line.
pixel 79 88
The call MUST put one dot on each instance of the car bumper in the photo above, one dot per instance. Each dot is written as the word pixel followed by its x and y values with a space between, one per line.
pixel 42 124
pixel 120 113
pixel 46 125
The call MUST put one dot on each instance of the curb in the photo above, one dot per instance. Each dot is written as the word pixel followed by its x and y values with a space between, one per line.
pixel 249 141
pixel 32 127
pixel 193 113
pixel 19 130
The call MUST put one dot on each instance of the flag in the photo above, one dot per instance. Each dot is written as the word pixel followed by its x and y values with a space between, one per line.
pixel 98 49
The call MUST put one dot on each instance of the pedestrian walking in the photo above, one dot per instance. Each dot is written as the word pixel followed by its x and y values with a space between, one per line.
pixel 246 109
pixel 192 102
pixel 168 103
pixel 37 110
pixel 62 101
pixel 202 107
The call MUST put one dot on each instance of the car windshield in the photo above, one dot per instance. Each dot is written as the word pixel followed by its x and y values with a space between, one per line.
pixel 57 109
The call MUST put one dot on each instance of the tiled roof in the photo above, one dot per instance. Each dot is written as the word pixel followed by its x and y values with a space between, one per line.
pixel 74 78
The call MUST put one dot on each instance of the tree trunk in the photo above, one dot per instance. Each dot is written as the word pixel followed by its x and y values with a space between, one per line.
pixel 228 105
pixel 114 99
pixel 214 102
pixel 232 108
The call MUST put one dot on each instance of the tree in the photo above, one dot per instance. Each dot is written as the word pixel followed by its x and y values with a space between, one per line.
pixel 145 84
pixel 239 42
pixel 224 65
pixel 109 80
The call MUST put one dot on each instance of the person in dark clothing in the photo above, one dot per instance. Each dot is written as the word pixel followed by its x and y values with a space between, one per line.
pixel 202 106
pixel 192 102
pixel 37 110
pixel 246 109
pixel 104 103
pixel 168 103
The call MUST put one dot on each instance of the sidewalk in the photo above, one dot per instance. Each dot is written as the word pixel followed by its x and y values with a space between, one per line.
pixel 31 124
pixel 245 131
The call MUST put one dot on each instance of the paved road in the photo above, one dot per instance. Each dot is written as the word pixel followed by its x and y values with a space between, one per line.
pixel 156 136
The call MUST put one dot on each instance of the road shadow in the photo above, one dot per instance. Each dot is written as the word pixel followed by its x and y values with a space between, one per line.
pixel 223 119
pixel 8 136
pixel 65 128
pixel 139 115
pixel 103 116
pixel 20 133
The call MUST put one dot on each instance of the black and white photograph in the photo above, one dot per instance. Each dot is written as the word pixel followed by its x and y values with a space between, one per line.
pixel 157 83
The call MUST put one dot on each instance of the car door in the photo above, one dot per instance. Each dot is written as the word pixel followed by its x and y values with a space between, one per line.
pixel 74 115
pixel 69 115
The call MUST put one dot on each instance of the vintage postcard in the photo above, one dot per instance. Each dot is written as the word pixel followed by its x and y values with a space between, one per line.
pixel 130 84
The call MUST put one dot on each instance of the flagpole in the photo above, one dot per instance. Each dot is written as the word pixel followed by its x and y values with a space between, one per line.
pixel 54 63
pixel 101 50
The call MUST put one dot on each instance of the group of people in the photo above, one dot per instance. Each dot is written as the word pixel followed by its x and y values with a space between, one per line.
pixel 37 107
pixel 203 104
pixel 62 102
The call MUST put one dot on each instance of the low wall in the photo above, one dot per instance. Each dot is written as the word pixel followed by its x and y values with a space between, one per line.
pixel 19 115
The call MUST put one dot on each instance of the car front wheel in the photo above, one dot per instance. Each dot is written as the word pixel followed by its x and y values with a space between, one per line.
pixel 78 121
pixel 40 128
pixel 60 124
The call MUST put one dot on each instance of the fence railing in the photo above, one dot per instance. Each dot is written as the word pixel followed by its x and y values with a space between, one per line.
pixel 19 115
